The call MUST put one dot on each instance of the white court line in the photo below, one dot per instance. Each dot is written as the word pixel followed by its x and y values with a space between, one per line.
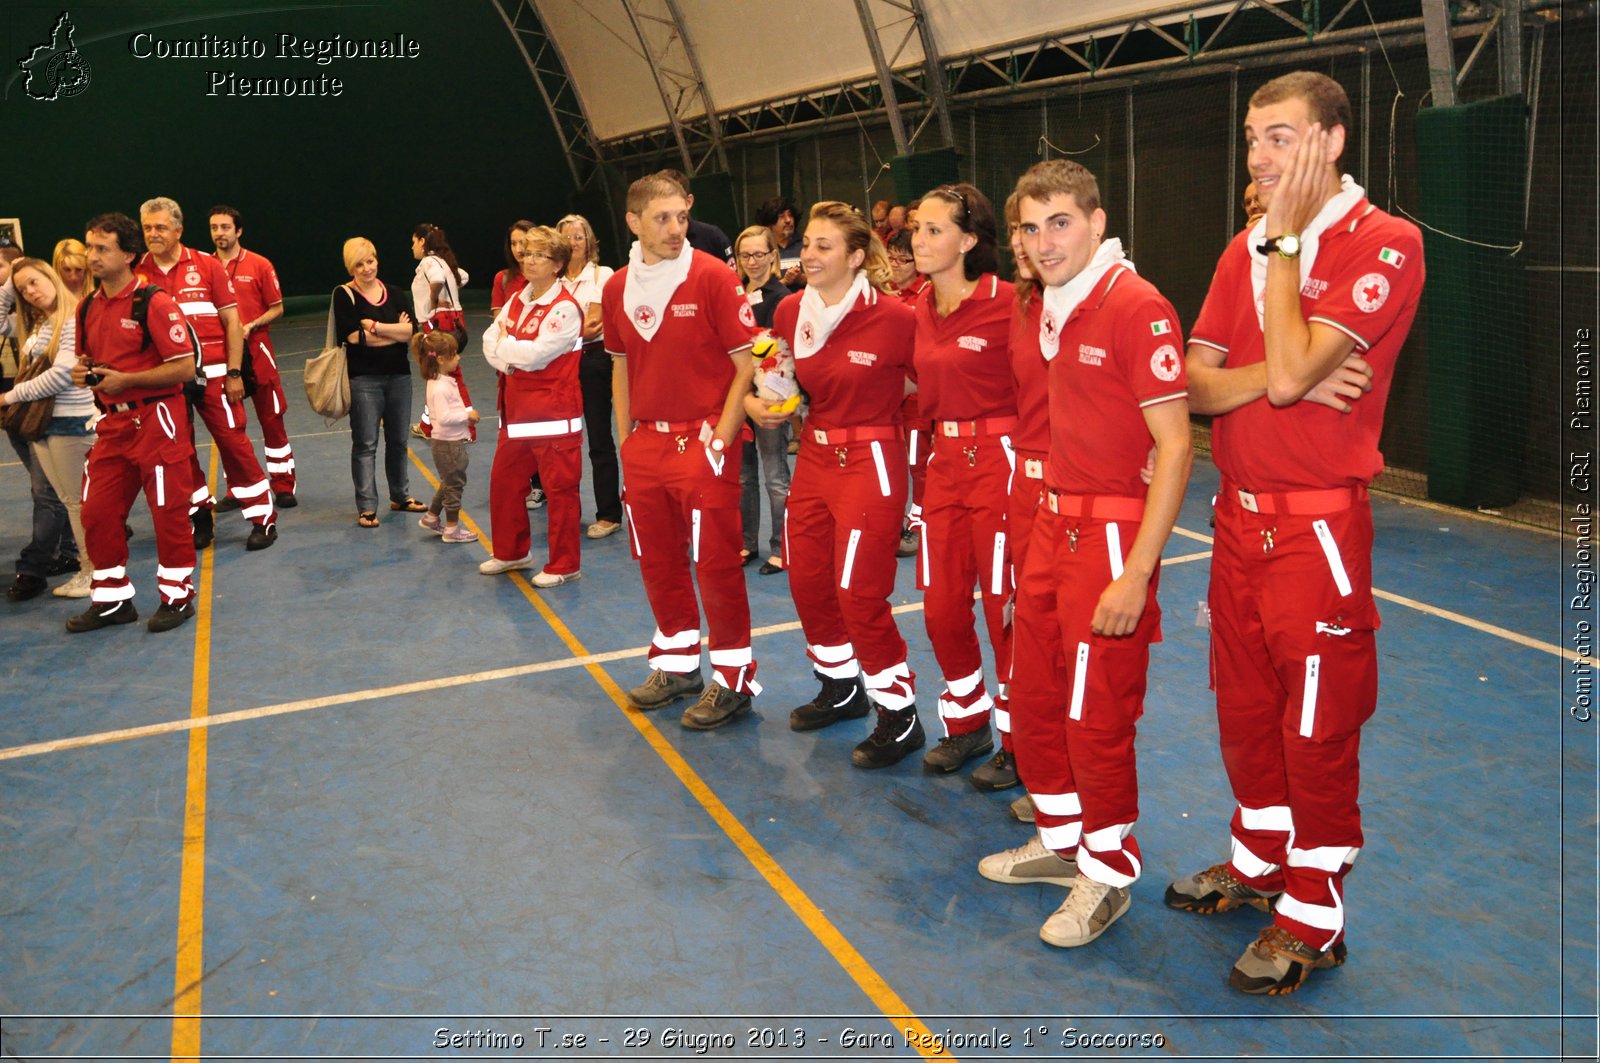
pixel 59 745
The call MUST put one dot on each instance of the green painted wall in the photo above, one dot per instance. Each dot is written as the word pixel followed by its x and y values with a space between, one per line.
pixel 457 136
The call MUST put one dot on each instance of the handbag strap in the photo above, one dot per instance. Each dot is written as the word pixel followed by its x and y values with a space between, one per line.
pixel 330 337
pixel 451 286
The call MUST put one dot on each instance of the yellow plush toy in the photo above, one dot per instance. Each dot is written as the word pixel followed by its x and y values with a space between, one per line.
pixel 774 380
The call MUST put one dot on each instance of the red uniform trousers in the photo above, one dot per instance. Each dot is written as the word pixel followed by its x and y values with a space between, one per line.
pixel 1295 667
pixel 1027 494
pixel 1076 697
pixel 683 515
pixel 271 405
pixel 840 531
pixel 558 461
pixel 919 444
pixel 964 543
pixel 147 447
pixel 225 421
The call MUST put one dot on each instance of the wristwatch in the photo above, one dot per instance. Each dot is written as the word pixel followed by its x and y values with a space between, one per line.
pixel 1287 246
pixel 235 374
pixel 717 445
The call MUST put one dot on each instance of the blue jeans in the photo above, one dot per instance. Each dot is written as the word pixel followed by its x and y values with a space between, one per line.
pixel 772 444
pixel 382 397
pixel 52 532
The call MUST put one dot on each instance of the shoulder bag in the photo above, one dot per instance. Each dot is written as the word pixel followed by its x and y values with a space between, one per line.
pixel 327 375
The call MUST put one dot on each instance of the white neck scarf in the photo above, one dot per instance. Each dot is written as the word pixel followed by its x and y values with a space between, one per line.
pixel 648 289
pixel 1349 195
pixel 817 321
pixel 1060 302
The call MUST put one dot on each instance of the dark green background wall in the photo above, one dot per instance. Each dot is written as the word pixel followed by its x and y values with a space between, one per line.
pixel 458 137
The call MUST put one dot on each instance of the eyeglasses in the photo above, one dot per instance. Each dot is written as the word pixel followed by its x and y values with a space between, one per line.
pixel 752 256
pixel 901 260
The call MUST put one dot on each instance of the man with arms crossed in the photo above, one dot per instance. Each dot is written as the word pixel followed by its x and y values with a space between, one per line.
pixel 1293 353
pixel 1086 600
pixel 678 329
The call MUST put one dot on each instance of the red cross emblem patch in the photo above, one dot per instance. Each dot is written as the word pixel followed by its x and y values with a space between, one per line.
pixel 1371 292
pixel 1164 363
pixel 644 317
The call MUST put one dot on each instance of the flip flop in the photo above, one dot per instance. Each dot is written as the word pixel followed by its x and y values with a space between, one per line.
pixel 410 505
pixel 369 519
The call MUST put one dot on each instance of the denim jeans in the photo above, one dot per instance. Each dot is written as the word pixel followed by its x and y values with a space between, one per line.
pixel 382 397
pixel 772 444
pixel 52 532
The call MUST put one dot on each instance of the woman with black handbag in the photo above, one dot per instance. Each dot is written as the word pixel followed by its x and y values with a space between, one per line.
pixel 43 407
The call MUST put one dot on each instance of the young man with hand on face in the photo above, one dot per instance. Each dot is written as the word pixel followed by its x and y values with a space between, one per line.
pixel 1293 355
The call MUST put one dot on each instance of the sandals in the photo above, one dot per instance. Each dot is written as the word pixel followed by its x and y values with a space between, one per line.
pixel 369 519
pixel 409 505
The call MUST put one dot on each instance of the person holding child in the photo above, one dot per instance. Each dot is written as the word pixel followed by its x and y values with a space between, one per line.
pixel 452 419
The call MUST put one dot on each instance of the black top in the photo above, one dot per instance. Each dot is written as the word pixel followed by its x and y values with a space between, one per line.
pixel 366 360
pixel 703 236
pixel 772 293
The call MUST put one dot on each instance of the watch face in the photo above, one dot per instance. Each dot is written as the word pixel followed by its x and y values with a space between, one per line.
pixel 1289 245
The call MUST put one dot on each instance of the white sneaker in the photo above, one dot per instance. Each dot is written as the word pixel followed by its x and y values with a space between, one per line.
pixel 602 528
pixel 494 566
pixel 546 580
pixel 1032 862
pixel 76 587
pixel 536 498
pixel 1084 915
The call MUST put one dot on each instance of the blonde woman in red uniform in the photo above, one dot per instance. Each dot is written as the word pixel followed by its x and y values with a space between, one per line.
pixel 965 387
pixel 852 343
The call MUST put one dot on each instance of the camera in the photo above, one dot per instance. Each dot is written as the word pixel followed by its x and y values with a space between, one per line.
pixel 91 379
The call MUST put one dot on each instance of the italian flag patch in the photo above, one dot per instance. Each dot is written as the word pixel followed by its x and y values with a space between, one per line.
pixel 1160 328
pixel 1390 257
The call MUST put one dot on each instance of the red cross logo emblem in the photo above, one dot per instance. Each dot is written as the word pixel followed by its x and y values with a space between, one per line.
pixel 1370 292
pixel 807 334
pixel 1164 363
pixel 644 317
pixel 1050 325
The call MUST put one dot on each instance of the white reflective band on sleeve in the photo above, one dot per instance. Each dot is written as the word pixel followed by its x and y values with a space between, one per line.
pixel 1114 549
pixel 1096 870
pixel 694 536
pixel 161 487
pixel 1308 700
pixel 883 470
pixel 214 370
pixel 1249 864
pixel 1330 550
pixel 997 565
pixel 1057 804
pixel 960 688
pixel 1273 817
pixel 544 429
pixel 678 640
pixel 1329 858
pixel 1321 916
pixel 175 575
pixel 118 593
pixel 849 555
pixel 1062 839
pixel 199 306
pixel 1080 679
pixel 120 572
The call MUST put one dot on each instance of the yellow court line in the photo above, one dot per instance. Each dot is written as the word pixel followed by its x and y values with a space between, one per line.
pixel 845 954
pixel 190 963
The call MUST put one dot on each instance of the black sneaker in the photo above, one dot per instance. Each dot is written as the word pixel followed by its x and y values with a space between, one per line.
pixel 262 536
pixel 204 528
pixel 26 586
pixel 999 772
pixel 99 616
pixel 227 504
pixel 898 733
pixel 285 500
pixel 839 699
pixel 62 565
pixel 955 750
pixel 170 616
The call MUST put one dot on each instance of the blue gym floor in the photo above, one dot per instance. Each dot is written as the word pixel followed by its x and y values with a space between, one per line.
pixel 419 823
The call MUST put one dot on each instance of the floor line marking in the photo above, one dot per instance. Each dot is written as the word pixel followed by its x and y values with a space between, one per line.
pixel 882 995
pixel 189 965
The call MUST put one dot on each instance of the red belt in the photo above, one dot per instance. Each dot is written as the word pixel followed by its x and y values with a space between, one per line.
pixel 1299 503
pixel 672 426
pixel 861 434
pixel 987 426
pixel 1095 507
pixel 124 407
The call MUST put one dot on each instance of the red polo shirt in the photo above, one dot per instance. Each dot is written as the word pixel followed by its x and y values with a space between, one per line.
pixel 858 377
pixel 962 370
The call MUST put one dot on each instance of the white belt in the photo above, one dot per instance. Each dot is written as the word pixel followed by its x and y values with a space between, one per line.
pixel 214 370
pixel 202 308
pixel 1033 468
pixel 544 429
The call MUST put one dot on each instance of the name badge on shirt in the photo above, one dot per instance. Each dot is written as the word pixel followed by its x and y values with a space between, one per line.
pixel 754 297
